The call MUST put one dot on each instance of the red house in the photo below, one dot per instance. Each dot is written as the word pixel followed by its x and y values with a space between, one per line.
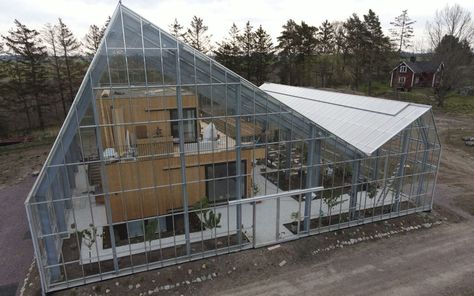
pixel 410 74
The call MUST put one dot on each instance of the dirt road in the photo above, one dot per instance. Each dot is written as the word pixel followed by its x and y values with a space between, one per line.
pixel 435 262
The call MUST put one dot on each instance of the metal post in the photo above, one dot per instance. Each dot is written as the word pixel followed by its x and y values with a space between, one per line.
pixel 103 176
pixel 238 162
pixel 182 156
pixel 312 174
pixel 354 189
pixel 426 144
pixel 401 169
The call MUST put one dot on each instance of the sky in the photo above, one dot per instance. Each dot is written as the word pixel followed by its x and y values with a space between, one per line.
pixel 219 15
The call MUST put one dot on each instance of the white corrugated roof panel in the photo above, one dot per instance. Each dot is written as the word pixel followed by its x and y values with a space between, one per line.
pixel 363 122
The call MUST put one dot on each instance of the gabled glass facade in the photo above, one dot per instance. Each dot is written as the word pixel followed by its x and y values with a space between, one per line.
pixel 166 156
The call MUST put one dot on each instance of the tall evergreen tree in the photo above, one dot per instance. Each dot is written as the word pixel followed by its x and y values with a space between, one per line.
pixel 69 46
pixel 326 47
pixel 50 38
pixel 228 52
pixel 92 40
pixel 197 35
pixel 288 49
pixel 247 44
pixel 263 55
pixel 26 44
pixel 176 29
pixel 402 31
pixel 456 55
pixel 377 48
pixel 356 42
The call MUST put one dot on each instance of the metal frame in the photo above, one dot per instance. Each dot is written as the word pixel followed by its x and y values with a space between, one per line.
pixel 300 159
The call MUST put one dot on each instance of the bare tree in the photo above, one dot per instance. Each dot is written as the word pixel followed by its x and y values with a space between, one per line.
pixel 92 39
pixel 402 30
pixel 452 20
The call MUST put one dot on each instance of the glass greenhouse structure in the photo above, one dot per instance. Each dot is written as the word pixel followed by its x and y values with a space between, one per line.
pixel 166 156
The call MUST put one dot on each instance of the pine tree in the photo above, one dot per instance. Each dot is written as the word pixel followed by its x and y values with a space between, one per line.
pixel 247 44
pixel 228 52
pixel 287 45
pixel 51 40
pixel 69 46
pixel 26 44
pixel 263 55
pixel 197 35
pixel 402 31
pixel 306 52
pixel 92 40
pixel 326 46
pixel 176 29
pixel 355 40
pixel 377 48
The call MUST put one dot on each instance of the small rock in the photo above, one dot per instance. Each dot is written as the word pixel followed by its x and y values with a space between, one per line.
pixel 233 268
pixel 107 291
pixel 153 281
pixel 214 274
pixel 137 286
pixel 209 277
pixel 35 173
pixel 427 225
pixel 130 287
pixel 203 266
pixel 198 280
pixel 167 287
pixel 188 282
pixel 150 292
pixel 282 263
pixel 190 271
pixel 203 277
pixel 117 284
pixel 156 290
pixel 179 266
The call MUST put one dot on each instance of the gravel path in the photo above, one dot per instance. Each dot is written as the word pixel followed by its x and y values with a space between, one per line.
pixel 16 248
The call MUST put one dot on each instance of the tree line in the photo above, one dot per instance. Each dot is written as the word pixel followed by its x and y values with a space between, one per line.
pixel 41 70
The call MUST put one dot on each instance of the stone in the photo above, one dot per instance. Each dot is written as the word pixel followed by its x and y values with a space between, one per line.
pixel 427 225
pixel 150 292
pixel 167 287
pixel 107 291
pixel 233 268
pixel 198 280
pixel 214 274
pixel 190 271
pixel 137 286
pixel 130 287
pixel 282 263
pixel 117 284
pixel 203 266
pixel 209 277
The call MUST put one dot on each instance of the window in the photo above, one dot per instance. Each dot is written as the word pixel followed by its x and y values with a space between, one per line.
pixel 221 184
pixel 403 69
pixel 189 126
pixel 401 80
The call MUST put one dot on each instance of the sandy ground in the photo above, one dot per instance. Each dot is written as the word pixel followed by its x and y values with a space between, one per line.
pixel 434 259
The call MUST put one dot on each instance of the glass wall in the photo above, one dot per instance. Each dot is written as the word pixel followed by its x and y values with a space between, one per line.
pixel 166 156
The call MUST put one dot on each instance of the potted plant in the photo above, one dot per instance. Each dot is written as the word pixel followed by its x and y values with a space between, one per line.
pixel 295 217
